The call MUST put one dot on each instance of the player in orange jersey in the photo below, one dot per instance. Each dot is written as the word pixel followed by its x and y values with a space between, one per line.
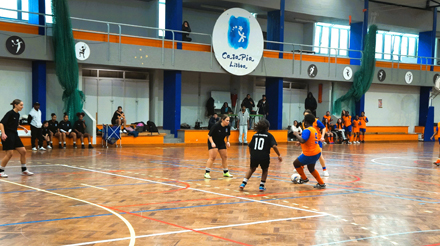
pixel 328 131
pixel 327 116
pixel 363 128
pixel 437 133
pixel 356 125
pixel 347 125
pixel 311 153
pixel 320 129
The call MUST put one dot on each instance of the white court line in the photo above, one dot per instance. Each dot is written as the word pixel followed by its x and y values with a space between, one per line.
pixel 94 186
pixel 130 227
pixel 400 166
pixel 205 191
pixel 201 229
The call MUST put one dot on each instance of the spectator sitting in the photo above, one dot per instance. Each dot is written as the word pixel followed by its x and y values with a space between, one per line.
pixel 80 129
pixel 226 109
pixel 45 133
pixel 214 119
pixel 186 28
pixel 295 128
pixel 119 119
pixel 66 130
pixel 54 130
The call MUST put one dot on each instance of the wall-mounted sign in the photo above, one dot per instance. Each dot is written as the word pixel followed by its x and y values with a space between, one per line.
pixel 409 77
pixel 238 41
pixel 82 51
pixel 15 45
pixel 312 71
pixel 381 75
pixel 347 73
pixel 380 103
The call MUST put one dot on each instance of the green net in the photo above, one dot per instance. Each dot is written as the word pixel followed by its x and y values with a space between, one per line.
pixel 66 65
pixel 363 77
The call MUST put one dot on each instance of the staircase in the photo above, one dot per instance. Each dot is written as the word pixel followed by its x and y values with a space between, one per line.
pixel 169 138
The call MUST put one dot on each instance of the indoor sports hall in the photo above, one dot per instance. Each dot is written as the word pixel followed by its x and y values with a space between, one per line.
pixel 197 122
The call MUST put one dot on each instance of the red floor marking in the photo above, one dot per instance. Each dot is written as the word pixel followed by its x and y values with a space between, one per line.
pixel 352 181
pixel 99 178
pixel 223 197
pixel 433 244
pixel 182 227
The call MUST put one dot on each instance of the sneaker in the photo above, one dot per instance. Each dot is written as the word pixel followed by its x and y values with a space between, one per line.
pixel 34 148
pixel 362 141
pixel 74 146
pixel 65 146
pixel 60 146
pixel 242 186
pixel 27 173
pixel 262 188
pixel 227 175
pixel 245 143
pixel 332 142
pixel 348 142
pixel 319 186
pixel 3 175
pixel 90 146
pixel 326 174
pixel 42 149
pixel 438 164
pixel 301 181
pixel 207 176
pixel 124 131
pixel 49 147
pixel 83 147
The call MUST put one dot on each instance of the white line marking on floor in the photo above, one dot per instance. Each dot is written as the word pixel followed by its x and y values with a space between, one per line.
pixel 94 186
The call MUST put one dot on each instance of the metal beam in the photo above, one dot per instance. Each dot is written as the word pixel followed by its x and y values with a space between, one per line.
pixel 400 5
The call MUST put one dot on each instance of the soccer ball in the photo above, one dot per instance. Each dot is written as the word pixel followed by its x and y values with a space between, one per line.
pixel 295 178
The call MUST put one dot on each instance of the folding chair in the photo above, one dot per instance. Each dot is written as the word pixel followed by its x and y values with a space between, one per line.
pixel 111 135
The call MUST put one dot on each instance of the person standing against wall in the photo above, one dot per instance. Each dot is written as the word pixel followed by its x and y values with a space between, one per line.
pixel 249 103
pixel 243 122
pixel 311 103
pixel 263 107
pixel 36 125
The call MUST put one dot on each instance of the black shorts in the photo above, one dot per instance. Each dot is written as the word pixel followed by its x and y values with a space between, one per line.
pixel 12 142
pixel 217 145
pixel 262 162
pixel 69 134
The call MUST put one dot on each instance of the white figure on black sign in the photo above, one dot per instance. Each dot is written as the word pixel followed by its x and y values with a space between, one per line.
pixel 312 69
pixel 380 75
pixel 81 52
pixel 18 44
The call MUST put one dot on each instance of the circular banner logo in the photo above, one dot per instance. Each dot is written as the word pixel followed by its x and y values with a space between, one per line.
pixel 15 45
pixel 238 41
pixel 381 75
pixel 409 77
pixel 82 51
pixel 347 73
pixel 312 71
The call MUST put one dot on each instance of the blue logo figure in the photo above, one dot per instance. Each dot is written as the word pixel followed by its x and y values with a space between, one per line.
pixel 238 35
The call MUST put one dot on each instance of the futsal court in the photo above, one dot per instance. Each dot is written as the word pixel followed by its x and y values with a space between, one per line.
pixel 377 194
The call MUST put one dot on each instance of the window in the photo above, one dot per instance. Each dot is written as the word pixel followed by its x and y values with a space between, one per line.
pixel 22 5
pixel 161 17
pixel 9 4
pixel 400 45
pixel 332 36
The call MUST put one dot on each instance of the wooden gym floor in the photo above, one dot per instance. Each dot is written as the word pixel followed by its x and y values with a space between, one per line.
pixel 377 194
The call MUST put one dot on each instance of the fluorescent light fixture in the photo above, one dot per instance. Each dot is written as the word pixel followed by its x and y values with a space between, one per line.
pixel 212 7
pixel 305 21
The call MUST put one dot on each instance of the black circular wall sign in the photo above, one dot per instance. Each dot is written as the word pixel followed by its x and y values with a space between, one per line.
pixel 15 45
pixel 381 75
pixel 312 71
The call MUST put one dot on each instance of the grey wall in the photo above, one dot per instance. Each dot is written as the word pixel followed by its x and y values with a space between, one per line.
pixel 201 22
pixel 132 12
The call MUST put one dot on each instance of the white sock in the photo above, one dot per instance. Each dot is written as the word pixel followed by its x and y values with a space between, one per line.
pixel 82 143
pixel 245 180
pixel 50 142
pixel 60 142
pixel 64 142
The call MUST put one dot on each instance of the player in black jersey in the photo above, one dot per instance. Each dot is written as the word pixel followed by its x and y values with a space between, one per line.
pixel 54 130
pixel 10 139
pixel 66 130
pixel 216 142
pixel 259 149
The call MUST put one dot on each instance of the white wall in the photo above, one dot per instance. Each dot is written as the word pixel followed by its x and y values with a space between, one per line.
pixel 15 83
pixel 293 33
pixel 156 97
pixel 54 93
pixel 400 105
pixel 200 21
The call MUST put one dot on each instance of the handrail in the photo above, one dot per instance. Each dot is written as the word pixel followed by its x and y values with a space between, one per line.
pixel 422 61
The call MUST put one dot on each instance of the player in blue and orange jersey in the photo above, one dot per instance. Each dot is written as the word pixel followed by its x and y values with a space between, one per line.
pixel 363 128
pixel 311 152
pixel 356 125
pixel 321 130
pixel 328 131
pixel 328 117
pixel 347 126
pixel 437 133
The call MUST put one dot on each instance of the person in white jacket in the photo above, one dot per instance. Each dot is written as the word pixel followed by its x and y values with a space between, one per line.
pixel 36 125
pixel 295 128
